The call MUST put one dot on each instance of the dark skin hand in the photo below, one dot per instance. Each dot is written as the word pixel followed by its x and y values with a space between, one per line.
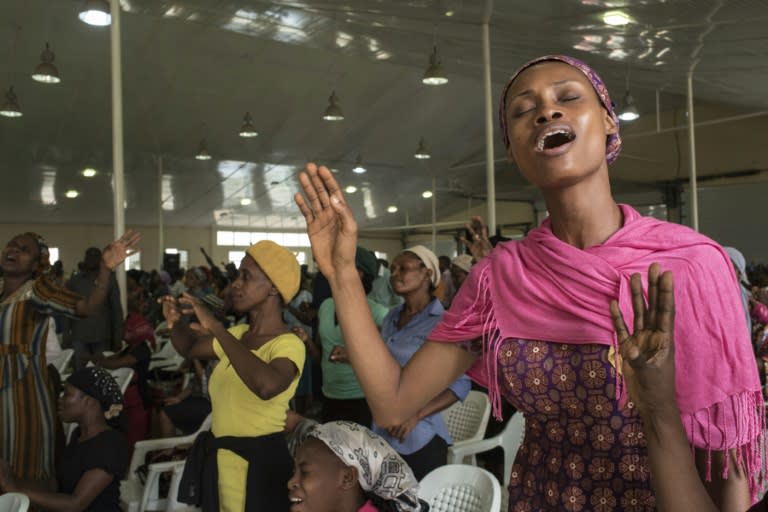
pixel 648 364
pixel 476 241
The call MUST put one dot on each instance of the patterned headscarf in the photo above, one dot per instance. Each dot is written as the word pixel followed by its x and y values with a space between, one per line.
pixel 98 383
pixel 45 256
pixel 380 469
pixel 613 144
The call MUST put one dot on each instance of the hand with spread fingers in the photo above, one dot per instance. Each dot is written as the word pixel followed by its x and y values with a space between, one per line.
pixel 648 354
pixel 171 311
pixel 331 227
pixel 116 252
pixel 476 240
pixel 205 317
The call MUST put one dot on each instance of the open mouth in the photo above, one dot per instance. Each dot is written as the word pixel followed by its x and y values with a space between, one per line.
pixel 554 138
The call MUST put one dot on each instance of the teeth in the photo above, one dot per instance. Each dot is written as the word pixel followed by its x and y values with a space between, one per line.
pixel 543 137
pixel 296 500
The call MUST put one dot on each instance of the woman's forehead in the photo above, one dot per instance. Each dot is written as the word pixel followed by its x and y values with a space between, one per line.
pixel 547 72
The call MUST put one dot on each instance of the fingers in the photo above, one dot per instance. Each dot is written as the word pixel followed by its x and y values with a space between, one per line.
pixel 638 302
pixel 653 292
pixel 618 322
pixel 308 186
pixel 305 210
pixel 666 304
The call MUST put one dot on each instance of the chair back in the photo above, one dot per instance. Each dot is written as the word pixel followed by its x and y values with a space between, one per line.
pixel 467 420
pixel 61 362
pixel 14 502
pixel 461 488
pixel 123 377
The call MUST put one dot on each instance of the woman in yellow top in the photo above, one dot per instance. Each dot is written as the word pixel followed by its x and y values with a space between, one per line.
pixel 259 368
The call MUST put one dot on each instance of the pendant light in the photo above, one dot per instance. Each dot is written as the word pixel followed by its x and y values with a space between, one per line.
pixel 629 110
pixel 358 168
pixel 46 71
pixel 333 111
pixel 96 13
pixel 421 152
pixel 10 106
pixel 247 130
pixel 434 75
pixel 202 150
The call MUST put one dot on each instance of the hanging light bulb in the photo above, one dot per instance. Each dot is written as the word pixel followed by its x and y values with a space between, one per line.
pixel 358 168
pixel 96 13
pixel 247 130
pixel 629 112
pixel 10 107
pixel 434 75
pixel 46 71
pixel 333 111
pixel 421 152
pixel 202 150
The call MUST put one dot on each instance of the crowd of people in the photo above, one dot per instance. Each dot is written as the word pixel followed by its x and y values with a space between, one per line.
pixel 635 349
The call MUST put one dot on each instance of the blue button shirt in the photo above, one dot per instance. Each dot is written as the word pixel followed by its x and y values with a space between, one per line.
pixel 403 344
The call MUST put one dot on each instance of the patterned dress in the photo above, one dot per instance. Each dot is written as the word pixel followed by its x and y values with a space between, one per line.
pixel 27 429
pixel 580 451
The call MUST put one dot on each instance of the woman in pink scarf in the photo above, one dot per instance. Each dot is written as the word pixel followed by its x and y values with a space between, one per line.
pixel 533 323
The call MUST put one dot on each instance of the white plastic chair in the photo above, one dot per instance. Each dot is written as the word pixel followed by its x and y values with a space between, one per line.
pixel 173 504
pixel 467 420
pixel 123 377
pixel 168 351
pixel 461 488
pixel 14 502
pixel 508 439
pixel 136 497
pixel 62 360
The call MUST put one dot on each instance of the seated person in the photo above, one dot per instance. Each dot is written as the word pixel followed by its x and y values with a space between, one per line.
pixel 343 467
pixel 187 410
pixel 91 466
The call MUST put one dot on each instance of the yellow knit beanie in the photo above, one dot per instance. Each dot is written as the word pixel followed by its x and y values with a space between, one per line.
pixel 280 265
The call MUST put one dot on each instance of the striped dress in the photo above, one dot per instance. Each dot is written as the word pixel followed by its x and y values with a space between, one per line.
pixel 27 429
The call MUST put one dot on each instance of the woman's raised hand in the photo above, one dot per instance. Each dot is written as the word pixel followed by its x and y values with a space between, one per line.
pixel 648 354
pixel 477 241
pixel 116 252
pixel 331 228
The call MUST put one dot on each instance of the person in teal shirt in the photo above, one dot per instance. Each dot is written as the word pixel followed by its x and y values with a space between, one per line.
pixel 344 399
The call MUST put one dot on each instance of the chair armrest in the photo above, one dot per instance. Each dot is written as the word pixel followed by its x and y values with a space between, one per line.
pixel 461 449
pixel 141 448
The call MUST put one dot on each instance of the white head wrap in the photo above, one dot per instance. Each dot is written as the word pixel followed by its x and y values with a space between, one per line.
pixel 380 469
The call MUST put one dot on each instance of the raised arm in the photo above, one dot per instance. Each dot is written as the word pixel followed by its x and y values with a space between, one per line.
pixel 394 394
pixel 188 342
pixel 112 256
pixel 648 364
pixel 265 379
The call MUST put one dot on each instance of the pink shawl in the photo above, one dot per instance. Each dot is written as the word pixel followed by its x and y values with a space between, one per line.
pixel 541 288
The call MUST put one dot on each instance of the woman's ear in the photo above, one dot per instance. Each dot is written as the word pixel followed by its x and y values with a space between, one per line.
pixel 609 123
pixel 349 478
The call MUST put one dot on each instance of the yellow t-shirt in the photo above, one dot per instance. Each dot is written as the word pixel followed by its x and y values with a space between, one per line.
pixel 237 411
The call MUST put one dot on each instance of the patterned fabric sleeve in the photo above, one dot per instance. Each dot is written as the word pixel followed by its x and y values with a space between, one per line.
pixel 50 298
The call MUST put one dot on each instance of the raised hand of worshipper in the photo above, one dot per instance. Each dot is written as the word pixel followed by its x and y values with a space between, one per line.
pixel 331 227
pixel 476 239
pixel 205 316
pixel 171 311
pixel 116 252
pixel 648 353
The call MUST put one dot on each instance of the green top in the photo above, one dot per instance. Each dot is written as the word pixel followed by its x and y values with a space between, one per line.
pixel 339 381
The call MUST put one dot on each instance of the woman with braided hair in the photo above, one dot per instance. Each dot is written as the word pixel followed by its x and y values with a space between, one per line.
pixel 28 296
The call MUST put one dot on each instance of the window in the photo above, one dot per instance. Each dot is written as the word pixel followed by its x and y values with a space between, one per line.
pixel 246 238
pixel 133 262
pixel 235 257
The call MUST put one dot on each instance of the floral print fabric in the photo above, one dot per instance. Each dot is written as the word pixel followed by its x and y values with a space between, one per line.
pixel 581 452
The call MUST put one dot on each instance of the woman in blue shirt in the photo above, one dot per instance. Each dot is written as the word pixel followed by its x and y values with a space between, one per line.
pixel 422 440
